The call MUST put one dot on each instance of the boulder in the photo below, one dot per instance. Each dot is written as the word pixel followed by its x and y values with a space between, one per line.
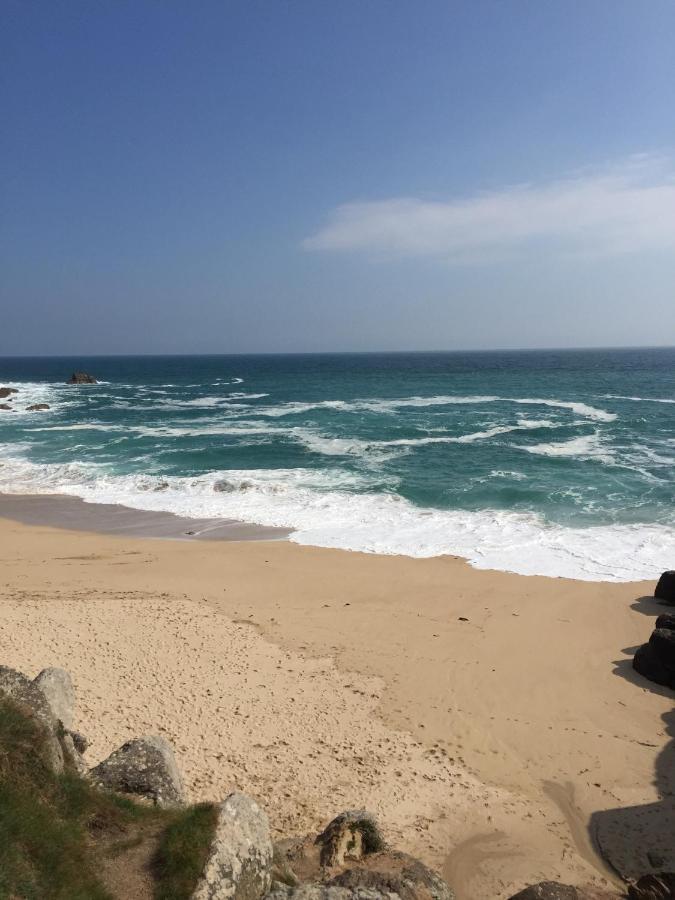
pixel 81 743
pixel 665 589
pixel 23 691
pixel 7 392
pixel 72 753
pixel 390 872
pixel 648 664
pixel 6 407
pixel 662 641
pixel 81 378
pixel 324 892
pixel 350 836
pixel 145 767
pixel 653 887
pixel 57 686
pixel 350 861
pixel 656 660
pixel 36 407
pixel 665 620
pixel 548 890
pixel 239 864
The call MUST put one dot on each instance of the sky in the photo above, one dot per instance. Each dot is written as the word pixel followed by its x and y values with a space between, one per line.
pixel 314 175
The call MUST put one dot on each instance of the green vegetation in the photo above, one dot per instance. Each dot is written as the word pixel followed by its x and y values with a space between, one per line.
pixel 57 830
pixel 182 851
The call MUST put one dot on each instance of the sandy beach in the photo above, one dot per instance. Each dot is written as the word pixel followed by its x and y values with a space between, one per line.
pixel 492 721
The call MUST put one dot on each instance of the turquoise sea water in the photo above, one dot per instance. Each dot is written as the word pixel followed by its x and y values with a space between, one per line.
pixel 558 463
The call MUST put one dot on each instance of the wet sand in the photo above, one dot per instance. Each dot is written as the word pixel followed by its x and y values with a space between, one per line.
pixel 62 511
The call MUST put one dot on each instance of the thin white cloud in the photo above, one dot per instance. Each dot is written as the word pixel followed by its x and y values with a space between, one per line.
pixel 623 208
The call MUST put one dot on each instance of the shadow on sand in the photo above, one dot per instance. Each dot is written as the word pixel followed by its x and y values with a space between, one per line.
pixel 639 840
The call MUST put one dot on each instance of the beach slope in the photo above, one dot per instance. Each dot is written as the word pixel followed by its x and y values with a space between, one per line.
pixel 485 717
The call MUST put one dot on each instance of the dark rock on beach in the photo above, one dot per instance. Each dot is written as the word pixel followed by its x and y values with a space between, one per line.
pixel 656 660
pixel 145 767
pixel 6 392
pixel 35 407
pixel 654 887
pixel 666 620
pixel 81 378
pixel 548 890
pixel 665 589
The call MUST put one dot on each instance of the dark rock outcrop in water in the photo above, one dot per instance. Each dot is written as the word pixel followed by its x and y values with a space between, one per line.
pixel 35 407
pixel 145 767
pixel 6 407
pixel 81 378
pixel 665 589
pixel 7 392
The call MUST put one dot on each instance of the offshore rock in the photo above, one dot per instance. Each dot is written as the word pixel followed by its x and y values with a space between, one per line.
pixel 6 407
pixel 81 378
pixel 239 864
pixel 145 767
pixel 36 407
pixel 7 392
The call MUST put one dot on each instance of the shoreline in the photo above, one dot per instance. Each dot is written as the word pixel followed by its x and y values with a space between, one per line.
pixel 485 717
pixel 75 514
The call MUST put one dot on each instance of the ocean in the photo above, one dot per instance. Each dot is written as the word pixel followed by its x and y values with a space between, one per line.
pixel 556 463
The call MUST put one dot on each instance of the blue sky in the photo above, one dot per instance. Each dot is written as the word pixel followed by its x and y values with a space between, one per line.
pixel 299 176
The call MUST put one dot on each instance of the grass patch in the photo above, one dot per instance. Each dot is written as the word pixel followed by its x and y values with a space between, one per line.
pixel 43 852
pixel 54 829
pixel 182 852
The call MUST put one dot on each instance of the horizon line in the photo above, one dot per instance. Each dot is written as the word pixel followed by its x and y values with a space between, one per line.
pixel 472 350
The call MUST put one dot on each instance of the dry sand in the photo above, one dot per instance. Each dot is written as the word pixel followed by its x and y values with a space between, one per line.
pixel 484 717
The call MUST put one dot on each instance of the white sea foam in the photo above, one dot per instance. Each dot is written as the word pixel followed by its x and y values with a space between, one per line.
pixel 196 429
pixel 332 446
pixel 637 399
pixel 391 406
pixel 323 510
pixel 590 446
pixel 32 392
